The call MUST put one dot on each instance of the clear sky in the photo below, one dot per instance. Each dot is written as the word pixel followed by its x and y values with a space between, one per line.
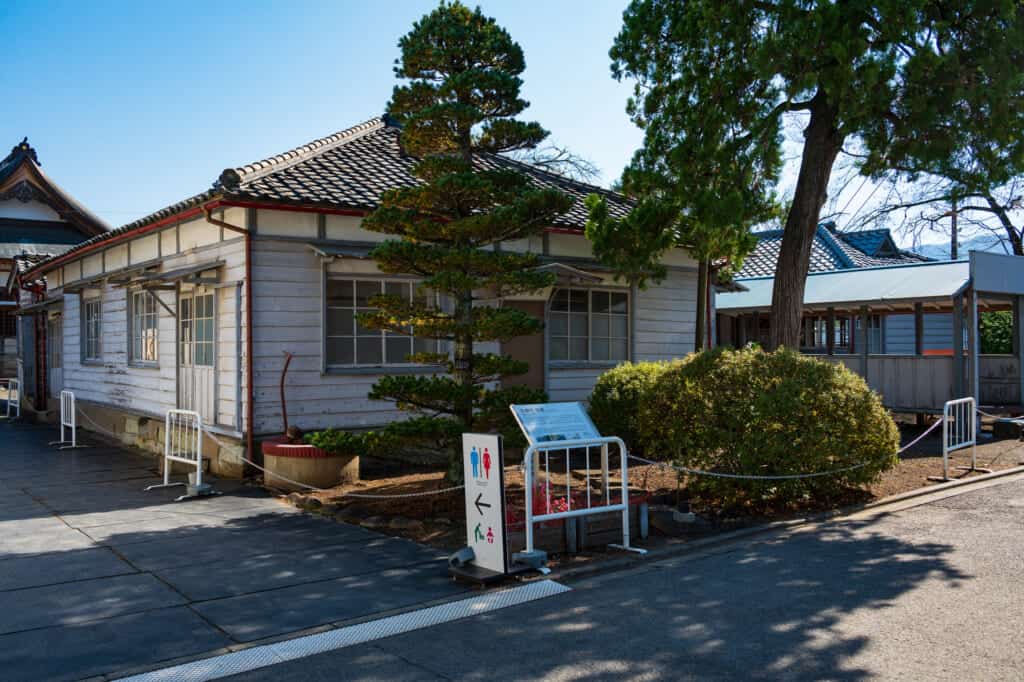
pixel 136 105
pixel 133 106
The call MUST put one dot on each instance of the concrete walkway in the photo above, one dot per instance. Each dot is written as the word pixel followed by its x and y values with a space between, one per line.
pixel 98 576
pixel 934 592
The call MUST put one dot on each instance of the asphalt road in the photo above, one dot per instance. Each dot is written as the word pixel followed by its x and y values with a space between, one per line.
pixel 931 592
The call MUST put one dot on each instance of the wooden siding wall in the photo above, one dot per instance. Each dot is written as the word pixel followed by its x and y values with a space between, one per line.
pixel 111 381
pixel 287 316
pixel 666 316
pixel 905 382
pixel 899 333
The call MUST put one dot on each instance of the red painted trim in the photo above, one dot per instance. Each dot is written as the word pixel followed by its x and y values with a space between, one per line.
pixel 141 230
pixel 296 208
pixel 279 446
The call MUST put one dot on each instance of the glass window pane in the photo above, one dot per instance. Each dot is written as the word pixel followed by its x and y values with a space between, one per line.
pixel 425 345
pixel 620 303
pixel 600 349
pixel 560 301
pixel 600 325
pixel 558 323
pixel 559 349
pixel 578 324
pixel 577 349
pixel 619 350
pixel 365 291
pixel 578 300
pixel 601 301
pixel 339 351
pixel 339 321
pixel 398 349
pixel 619 326
pixel 366 331
pixel 339 291
pixel 368 351
pixel 397 289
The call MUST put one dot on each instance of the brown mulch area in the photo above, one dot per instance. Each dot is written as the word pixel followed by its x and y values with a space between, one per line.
pixel 437 520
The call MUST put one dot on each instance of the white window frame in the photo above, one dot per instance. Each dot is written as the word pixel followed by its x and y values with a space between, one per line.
pixel 384 364
pixel 86 338
pixel 151 311
pixel 590 360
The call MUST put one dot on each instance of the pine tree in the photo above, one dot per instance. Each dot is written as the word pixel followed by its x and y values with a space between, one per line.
pixel 457 110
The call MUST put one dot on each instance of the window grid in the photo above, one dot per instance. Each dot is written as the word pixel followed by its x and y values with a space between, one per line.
pixel 589 326
pixel 91 333
pixel 348 344
pixel 197 332
pixel 144 328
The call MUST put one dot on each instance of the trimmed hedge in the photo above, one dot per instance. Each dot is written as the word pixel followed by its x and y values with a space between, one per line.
pixel 756 413
pixel 618 393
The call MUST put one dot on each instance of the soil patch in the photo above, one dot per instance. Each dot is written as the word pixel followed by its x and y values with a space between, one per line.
pixel 438 519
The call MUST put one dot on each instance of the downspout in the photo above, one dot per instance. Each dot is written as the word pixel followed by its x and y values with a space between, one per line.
pixel 250 392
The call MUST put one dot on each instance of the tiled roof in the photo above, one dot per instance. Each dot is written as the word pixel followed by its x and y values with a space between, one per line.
pixel 349 170
pixel 352 168
pixel 831 250
pixel 47 191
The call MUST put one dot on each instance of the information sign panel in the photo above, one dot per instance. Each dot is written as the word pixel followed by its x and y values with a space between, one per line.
pixel 482 461
pixel 549 422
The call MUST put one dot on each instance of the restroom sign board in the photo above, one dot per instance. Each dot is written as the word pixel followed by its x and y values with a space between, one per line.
pixel 485 500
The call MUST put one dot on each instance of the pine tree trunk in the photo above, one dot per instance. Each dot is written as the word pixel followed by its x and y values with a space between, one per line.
pixel 822 143
pixel 701 330
pixel 463 359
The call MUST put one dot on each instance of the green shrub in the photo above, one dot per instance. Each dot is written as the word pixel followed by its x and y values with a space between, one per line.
pixel 618 394
pixel 996 332
pixel 756 413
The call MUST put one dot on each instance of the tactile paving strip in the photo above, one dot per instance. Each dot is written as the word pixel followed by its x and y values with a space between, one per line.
pixel 301 647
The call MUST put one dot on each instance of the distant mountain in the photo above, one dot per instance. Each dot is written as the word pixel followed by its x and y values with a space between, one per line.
pixel 985 242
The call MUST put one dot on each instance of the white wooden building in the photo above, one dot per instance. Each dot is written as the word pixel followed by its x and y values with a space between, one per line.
pixel 195 305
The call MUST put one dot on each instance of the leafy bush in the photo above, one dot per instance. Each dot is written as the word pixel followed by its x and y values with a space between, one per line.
pixel 996 332
pixel 756 413
pixel 618 394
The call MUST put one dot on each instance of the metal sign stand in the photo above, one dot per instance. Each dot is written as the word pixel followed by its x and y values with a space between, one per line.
pixel 485 559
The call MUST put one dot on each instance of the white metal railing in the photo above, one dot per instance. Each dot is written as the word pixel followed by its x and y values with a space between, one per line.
pixel 13 398
pixel 67 420
pixel 601 503
pixel 183 442
pixel 959 431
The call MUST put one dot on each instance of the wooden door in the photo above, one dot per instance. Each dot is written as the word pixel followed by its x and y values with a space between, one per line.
pixel 527 348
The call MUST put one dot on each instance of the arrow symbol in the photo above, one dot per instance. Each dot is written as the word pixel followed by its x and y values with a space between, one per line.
pixel 479 504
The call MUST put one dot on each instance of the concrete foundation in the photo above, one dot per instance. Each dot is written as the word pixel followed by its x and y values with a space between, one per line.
pixel 221 455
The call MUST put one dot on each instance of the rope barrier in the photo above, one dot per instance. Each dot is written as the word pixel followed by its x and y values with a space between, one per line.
pixel 779 477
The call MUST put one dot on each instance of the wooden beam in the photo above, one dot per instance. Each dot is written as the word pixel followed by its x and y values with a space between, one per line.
pixel 958 347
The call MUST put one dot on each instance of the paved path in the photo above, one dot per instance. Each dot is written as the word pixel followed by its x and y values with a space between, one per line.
pixel 933 592
pixel 98 576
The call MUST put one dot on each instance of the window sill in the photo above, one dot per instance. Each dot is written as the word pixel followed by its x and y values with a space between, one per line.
pixel 144 365
pixel 93 362
pixel 382 369
pixel 584 364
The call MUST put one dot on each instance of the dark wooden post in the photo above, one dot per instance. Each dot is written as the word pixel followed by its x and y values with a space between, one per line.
pixel 918 329
pixel 830 331
pixel 864 319
pixel 958 346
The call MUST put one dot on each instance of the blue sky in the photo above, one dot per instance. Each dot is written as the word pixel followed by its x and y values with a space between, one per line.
pixel 134 106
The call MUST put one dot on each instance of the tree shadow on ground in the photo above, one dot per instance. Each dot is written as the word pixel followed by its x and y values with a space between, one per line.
pixel 767 609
